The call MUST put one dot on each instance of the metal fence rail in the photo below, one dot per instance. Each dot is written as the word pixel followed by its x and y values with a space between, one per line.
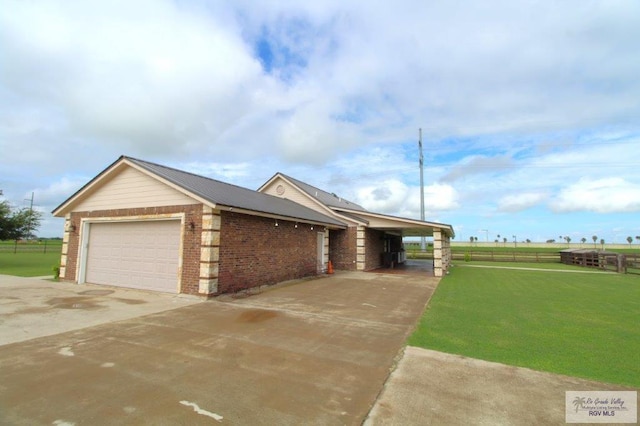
pixel 30 247
pixel 502 256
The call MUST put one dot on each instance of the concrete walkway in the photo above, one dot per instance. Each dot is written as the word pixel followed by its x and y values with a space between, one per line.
pixel 434 388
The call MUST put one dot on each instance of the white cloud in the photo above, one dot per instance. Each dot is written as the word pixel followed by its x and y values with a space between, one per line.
pixel 384 197
pixel 606 195
pixel 440 197
pixel 56 192
pixel 519 202
pixel 478 164
pixel 393 197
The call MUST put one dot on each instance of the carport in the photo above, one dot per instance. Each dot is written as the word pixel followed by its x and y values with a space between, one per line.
pixel 395 229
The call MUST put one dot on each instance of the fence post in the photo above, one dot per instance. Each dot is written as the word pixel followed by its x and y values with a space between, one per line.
pixel 622 264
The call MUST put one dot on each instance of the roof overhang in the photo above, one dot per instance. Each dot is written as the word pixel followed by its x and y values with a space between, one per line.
pixel 328 225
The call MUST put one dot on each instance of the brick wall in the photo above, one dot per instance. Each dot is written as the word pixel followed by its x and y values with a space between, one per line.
pixel 255 252
pixel 342 249
pixel 191 242
pixel 374 247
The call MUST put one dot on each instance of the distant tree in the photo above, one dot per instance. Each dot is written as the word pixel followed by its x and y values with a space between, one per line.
pixel 638 238
pixel 583 240
pixel 528 241
pixel 551 241
pixel 594 238
pixel 602 243
pixel 496 241
pixel 16 224
pixel 629 240
pixel 504 240
pixel 568 239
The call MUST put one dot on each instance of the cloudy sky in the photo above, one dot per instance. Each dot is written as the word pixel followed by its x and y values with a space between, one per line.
pixel 530 111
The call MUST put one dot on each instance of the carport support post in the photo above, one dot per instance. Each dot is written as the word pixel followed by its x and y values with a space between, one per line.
pixel 437 253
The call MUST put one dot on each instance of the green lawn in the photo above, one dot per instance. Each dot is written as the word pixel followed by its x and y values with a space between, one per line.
pixel 29 264
pixel 582 325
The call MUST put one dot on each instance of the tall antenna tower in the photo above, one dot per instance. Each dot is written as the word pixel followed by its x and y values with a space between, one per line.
pixel 423 245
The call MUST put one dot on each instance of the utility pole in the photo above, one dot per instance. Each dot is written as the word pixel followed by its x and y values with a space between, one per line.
pixel 423 245
pixel 30 202
pixel 30 224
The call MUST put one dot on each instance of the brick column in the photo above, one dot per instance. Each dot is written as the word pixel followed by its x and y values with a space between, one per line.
pixel 438 265
pixel 209 251
pixel 361 254
pixel 446 253
pixel 65 246
pixel 325 260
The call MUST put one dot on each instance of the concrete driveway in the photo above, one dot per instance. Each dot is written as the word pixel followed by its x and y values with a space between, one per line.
pixel 31 307
pixel 318 351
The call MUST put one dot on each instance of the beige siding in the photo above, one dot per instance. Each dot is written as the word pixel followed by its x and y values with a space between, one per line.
pixel 130 189
pixel 292 193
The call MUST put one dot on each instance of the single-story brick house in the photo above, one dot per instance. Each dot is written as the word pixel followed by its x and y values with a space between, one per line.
pixel 143 225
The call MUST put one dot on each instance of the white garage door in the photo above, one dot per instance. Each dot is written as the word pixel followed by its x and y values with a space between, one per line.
pixel 140 255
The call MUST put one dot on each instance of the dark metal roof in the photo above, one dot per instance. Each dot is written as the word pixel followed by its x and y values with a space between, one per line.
pixel 225 194
pixel 326 198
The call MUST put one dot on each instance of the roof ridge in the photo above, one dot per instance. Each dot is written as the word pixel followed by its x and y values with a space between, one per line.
pixel 187 173
pixel 342 199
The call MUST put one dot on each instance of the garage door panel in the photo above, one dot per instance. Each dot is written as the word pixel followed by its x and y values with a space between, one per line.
pixel 142 254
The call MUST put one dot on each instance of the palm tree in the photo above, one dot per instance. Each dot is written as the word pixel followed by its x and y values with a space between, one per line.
pixel 629 240
pixel 504 240
pixel 578 402
pixel 584 240
pixel 638 238
pixel 594 238
pixel 568 239
pixel 602 243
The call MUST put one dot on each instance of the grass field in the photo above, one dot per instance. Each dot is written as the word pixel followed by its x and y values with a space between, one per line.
pixel 582 325
pixel 29 264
